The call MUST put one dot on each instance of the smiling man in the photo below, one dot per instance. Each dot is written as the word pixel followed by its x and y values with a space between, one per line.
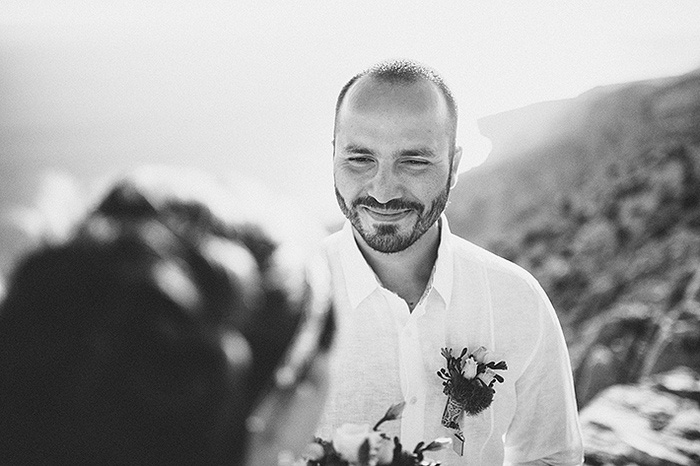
pixel 394 164
pixel 405 287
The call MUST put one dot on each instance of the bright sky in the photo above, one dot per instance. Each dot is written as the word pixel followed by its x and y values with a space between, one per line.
pixel 249 86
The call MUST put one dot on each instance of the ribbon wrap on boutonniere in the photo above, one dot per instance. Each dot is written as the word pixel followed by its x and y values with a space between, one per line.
pixel 468 382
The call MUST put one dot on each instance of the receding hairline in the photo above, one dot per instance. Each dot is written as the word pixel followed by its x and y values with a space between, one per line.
pixel 402 72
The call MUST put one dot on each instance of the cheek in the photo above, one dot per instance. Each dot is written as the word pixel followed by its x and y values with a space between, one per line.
pixel 347 184
pixel 435 184
pixel 425 188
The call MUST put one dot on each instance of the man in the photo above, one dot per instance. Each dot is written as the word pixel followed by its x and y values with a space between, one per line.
pixel 405 287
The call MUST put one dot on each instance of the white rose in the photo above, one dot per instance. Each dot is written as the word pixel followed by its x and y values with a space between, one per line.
pixel 484 356
pixel 383 450
pixel 470 368
pixel 313 451
pixel 348 439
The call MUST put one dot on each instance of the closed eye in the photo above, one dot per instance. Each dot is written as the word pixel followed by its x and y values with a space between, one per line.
pixel 359 159
pixel 416 162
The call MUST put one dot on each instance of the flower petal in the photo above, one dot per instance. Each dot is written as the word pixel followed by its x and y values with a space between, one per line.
pixel 394 412
pixel 348 438
pixel 479 354
pixel 438 444
pixel 487 377
pixel 470 368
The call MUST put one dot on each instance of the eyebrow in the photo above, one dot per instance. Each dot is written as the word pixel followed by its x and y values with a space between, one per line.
pixel 420 152
pixel 355 149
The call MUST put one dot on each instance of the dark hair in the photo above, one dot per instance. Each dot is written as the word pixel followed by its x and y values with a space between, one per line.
pixel 112 344
pixel 404 72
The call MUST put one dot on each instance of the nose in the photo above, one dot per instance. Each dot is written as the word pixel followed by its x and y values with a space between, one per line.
pixel 384 185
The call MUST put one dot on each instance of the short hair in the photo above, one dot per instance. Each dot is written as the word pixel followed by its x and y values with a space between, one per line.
pixel 404 72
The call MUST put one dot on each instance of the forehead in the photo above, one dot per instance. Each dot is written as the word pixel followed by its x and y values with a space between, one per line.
pixel 398 108
pixel 372 95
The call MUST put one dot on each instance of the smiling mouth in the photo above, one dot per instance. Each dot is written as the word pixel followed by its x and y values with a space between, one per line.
pixel 387 215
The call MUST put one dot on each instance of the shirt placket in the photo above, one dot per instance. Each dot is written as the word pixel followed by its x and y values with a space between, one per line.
pixel 410 370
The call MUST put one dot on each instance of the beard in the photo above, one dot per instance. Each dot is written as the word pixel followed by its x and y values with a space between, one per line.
pixel 386 237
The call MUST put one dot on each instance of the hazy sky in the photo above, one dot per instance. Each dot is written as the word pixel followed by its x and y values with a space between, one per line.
pixel 250 86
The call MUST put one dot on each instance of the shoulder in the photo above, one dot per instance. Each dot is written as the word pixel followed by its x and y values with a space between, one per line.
pixel 468 253
pixel 512 291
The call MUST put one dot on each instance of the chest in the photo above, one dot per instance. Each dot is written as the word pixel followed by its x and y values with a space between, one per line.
pixel 382 334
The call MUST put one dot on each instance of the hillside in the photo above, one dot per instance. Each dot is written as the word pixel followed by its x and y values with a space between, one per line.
pixel 598 197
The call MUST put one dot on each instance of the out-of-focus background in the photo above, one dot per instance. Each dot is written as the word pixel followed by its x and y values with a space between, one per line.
pixel 580 123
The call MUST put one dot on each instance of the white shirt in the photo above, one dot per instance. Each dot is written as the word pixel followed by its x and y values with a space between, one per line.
pixel 385 354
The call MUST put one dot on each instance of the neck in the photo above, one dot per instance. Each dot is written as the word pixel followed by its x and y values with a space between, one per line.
pixel 407 272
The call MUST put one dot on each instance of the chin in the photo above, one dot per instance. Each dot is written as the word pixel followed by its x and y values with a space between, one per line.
pixel 399 227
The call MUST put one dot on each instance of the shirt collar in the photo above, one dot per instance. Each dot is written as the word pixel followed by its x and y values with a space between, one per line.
pixel 443 272
pixel 361 281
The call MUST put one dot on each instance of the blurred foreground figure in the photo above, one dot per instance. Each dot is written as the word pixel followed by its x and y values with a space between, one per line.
pixel 162 333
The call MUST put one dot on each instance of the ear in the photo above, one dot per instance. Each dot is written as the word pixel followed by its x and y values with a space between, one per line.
pixel 456 159
pixel 285 422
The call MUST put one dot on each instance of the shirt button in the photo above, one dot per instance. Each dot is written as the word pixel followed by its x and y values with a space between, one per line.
pixel 413 400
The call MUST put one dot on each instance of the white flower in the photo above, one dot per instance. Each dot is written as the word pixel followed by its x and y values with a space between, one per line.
pixel 439 444
pixel 484 356
pixel 470 367
pixel 487 376
pixel 313 451
pixel 349 438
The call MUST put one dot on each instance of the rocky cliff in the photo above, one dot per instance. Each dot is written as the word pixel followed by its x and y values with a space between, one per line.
pixel 598 197
pixel 655 422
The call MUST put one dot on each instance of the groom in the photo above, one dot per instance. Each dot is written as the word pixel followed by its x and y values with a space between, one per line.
pixel 405 287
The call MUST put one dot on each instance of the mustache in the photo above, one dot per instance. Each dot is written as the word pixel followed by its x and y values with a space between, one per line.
pixel 394 204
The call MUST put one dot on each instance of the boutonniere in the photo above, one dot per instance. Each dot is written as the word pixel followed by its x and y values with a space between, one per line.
pixel 468 381
pixel 360 445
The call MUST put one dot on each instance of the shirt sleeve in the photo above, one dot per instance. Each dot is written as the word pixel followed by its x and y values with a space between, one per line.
pixel 545 428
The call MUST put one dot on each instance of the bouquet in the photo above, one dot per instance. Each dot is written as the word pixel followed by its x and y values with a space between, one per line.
pixel 360 445
pixel 468 382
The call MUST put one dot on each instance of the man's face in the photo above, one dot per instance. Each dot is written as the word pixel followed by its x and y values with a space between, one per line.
pixel 392 163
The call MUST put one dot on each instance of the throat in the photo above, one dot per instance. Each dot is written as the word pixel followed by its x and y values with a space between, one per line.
pixel 408 286
pixel 407 272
